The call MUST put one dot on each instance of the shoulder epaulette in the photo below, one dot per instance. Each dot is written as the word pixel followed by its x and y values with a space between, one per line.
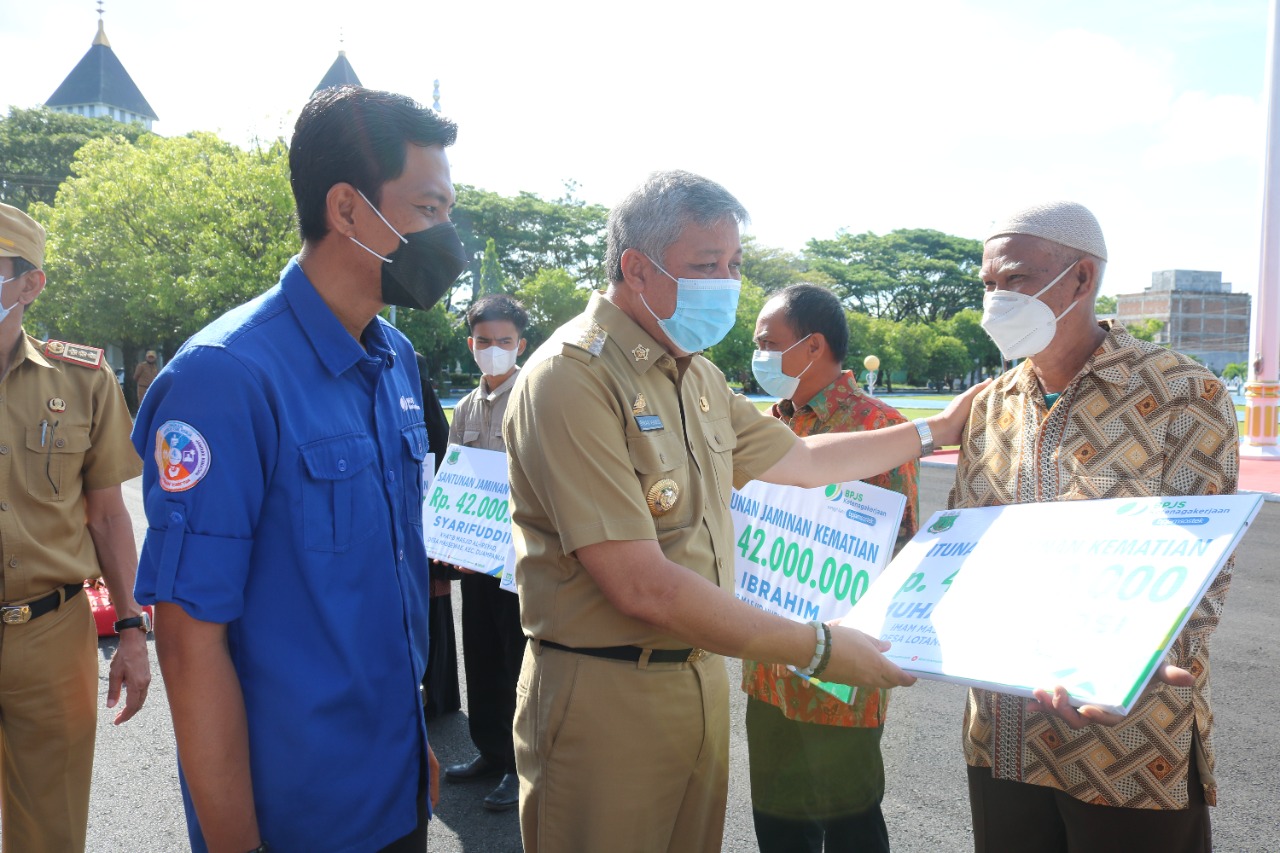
pixel 587 337
pixel 85 356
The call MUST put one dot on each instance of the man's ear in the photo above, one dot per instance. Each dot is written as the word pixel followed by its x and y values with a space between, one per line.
pixel 340 206
pixel 1086 279
pixel 520 347
pixel 32 285
pixel 637 270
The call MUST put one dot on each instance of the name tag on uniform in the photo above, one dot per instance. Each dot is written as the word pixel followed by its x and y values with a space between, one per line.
pixel 648 423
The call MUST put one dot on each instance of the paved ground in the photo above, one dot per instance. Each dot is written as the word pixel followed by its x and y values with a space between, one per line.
pixel 136 803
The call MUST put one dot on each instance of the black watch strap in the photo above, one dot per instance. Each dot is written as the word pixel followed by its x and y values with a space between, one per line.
pixel 142 622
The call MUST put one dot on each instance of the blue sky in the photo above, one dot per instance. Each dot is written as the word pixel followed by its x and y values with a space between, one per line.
pixel 818 115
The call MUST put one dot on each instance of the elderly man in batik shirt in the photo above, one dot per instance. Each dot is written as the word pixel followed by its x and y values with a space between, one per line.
pixel 1091 413
pixel 817 776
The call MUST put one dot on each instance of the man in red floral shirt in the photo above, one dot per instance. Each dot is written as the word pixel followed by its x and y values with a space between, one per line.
pixel 817 777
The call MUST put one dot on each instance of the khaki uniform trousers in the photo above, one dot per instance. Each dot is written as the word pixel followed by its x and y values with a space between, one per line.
pixel 621 756
pixel 48 719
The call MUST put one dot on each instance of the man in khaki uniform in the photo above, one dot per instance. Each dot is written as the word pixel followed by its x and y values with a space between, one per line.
pixel 64 451
pixel 145 373
pixel 623 445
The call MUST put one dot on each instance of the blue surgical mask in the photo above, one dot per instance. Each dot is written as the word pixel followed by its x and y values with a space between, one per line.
pixel 706 309
pixel 4 312
pixel 767 368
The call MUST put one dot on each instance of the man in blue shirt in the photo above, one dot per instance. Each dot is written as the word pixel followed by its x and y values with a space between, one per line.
pixel 284 448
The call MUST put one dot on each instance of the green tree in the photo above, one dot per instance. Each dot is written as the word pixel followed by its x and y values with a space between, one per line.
pixel 1235 370
pixel 907 274
pixel 492 279
pixel 148 242
pixel 1146 330
pixel 37 147
pixel 1105 305
pixel 534 234
pixel 914 343
pixel 552 298
pixel 733 354
pixel 948 359
pixel 768 268
pixel 966 326
pixel 440 335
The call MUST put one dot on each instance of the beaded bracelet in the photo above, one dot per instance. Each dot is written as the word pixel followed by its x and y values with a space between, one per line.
pixel 822 635
pixel 826 654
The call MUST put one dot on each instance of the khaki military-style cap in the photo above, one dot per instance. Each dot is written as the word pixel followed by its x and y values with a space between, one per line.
pixel 20 236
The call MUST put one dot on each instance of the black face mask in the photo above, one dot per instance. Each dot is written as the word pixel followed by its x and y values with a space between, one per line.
pixel 423 268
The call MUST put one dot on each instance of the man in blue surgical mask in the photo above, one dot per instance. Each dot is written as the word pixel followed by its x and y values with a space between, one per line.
pixel 817 776
pixel 623 444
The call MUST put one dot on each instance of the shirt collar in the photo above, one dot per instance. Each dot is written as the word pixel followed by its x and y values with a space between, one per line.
pixel 29 350
pixel 333 344
pixel 1112 362
pixel 638 347
pixel 490 396
pixel 822 403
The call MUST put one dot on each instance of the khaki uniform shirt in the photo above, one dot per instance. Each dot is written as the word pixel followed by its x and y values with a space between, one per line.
pixel 603 424
pixel 144 374
pixel 64 429
pixel 1138 420
pixel 477 419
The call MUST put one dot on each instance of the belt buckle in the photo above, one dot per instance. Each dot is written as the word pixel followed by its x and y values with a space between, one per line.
pixel 696 655
pixel 15 615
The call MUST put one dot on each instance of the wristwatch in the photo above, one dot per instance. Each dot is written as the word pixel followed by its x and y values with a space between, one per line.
pixel 926 436
pixel 142 620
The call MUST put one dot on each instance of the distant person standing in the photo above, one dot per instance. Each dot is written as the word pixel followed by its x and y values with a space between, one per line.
pixel 817 774
pixel 492 639
pixel 145 373
pixel 64 451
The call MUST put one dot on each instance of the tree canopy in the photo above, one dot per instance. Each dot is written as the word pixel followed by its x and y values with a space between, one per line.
pixel 908 274
pixel 148 242
pixel 37 147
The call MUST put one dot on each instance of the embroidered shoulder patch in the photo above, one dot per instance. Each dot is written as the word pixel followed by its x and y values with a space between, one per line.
pixel 182 455
pixel 75 353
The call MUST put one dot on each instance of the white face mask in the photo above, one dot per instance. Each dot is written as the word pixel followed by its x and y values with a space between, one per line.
pixel 494 360
pixel 766 366
pixel 1021 325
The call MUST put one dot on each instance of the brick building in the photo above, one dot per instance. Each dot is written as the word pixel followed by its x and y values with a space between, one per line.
pixel 1201 316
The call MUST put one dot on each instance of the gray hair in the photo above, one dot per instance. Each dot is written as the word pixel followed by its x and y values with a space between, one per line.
pixel 654 214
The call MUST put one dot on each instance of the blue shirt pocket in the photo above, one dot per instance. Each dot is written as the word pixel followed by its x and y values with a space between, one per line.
pixel 342 500
pixel 415 444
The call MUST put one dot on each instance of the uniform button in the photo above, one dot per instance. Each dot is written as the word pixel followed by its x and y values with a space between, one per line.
pixel 13 562
pixel 4 505
pixel 342 464
pixel 60 442
pixel 175 517
pixel 391 475
pixel 4 448
pixel 402 555
pixel 662 457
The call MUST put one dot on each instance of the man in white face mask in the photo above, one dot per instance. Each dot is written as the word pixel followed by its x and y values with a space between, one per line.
pixel 492 639
pixel 1091 413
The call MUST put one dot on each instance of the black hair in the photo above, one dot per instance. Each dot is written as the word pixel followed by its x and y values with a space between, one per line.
pixel 498 306
pixel 22 266
pixel 348 134
pixel 812 309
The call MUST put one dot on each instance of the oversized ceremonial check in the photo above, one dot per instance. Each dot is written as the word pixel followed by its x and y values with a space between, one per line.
pixel 1086 594
pixel 809 553
pixel 467 514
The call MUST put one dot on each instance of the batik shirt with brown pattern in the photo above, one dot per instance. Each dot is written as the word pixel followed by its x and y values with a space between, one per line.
pixel 1138 420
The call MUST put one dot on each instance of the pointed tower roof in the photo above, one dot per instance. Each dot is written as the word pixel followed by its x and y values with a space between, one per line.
pixel 100 78
pixel 340 73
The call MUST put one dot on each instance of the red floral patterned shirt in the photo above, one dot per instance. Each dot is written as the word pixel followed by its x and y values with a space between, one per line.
pixel 840 407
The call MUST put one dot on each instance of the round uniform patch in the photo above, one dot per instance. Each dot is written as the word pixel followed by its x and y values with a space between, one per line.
pixel 182 455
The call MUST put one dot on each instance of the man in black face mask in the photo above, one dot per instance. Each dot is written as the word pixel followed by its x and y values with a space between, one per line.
pixel 285 446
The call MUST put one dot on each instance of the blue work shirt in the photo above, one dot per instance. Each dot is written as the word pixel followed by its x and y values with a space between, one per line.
pixel 286 502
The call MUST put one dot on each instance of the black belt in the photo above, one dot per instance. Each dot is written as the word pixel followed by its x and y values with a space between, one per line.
pixel 633 653
pixel 17 614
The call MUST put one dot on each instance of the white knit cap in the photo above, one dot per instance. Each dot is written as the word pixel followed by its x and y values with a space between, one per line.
pixel 1063 222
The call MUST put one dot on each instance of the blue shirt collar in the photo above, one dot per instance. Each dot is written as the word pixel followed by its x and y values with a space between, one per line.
pixel 334 346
